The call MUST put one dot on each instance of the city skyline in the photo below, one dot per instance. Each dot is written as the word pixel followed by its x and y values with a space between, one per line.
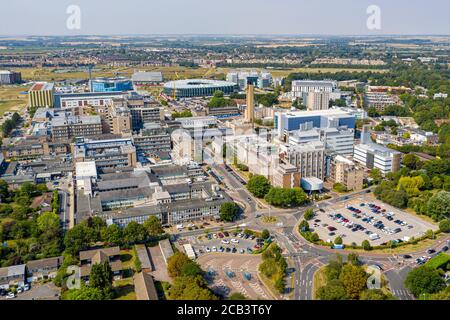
pixel 287 17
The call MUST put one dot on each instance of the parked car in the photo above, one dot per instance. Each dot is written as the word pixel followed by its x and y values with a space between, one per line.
pixel 234 240
pixel 431 251
pixel 214 249
pixel 224 241
pixel 10 295
pixel 207 249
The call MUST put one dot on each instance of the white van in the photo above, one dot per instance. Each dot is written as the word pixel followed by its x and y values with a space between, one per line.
pixel 374 236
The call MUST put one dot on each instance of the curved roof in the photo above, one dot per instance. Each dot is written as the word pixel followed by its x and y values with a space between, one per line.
pixel 197 83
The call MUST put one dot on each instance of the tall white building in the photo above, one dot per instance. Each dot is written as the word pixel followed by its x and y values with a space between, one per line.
pixel 299 87
pixel 337 140
pixel 373 155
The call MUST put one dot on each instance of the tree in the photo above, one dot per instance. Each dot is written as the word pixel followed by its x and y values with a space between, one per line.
pixel 176 263
pixel 353 279
pixel 436 182
pixel 366 245
pixel 265 234
pixel 411 185
pixel 190 288
pixel 258 185
pixel 353 258
pixel 333 268
pixel 77 239
pixel 85 293
pixel 339 187
pixel 101 277
pixel 444 225
pixel 134 233
pixel 411 161
pixel 284 197
pixel 112 234
pixel 153 226
pixel 376 175
pixel 314 237
pixel 237 296
pixel 303 226
pixel 334 290
pixel 375 294
pixel 424 280
pixel 191 269
pixel 338 240
pixel 229 211
pixel 309 214
pixel 48 221
pixel 439 205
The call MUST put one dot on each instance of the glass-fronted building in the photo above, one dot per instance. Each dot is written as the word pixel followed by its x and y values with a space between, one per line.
pixel 198 88
pixel 111 84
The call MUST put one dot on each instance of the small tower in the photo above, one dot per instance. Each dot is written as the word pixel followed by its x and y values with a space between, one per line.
pixel 250 110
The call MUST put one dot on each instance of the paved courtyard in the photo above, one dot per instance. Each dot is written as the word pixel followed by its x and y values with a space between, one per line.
pixel 231 273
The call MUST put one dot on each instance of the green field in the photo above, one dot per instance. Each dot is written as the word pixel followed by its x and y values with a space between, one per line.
pixel 11 98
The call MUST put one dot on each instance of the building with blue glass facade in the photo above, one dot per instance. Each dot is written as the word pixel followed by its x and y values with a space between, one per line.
pixel 111 84
pixel 294 120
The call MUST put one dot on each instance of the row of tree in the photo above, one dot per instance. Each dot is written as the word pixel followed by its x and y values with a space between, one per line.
pixel 260 187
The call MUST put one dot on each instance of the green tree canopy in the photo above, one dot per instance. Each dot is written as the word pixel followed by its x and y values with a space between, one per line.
pixel 176 263
pixel 354 280
pixel 258 185
pixel 153 226
pixel 229 211
pixel 424 280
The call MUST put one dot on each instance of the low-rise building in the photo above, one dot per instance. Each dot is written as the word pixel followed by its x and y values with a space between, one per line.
pixel 64 126
pixel 107 154
pixel 43 269
pixel 144 287
pixel 96 256
pixel 12 276
pixel 41 95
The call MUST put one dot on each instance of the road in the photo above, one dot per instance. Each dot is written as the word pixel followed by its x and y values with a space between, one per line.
pixel 63 209
pixel 306 257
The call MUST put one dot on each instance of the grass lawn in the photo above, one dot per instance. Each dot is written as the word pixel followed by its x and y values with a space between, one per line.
pixel 319 280
pixel 124 289
pixel 420 216
pixel 11 98
pixel 421 245
pixel 437 261
pixel 268 283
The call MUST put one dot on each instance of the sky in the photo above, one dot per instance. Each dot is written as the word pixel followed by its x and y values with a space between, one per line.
pixel 302 17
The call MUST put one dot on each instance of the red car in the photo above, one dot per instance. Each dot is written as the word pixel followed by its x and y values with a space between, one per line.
pixel 221 235
pixel 330 228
